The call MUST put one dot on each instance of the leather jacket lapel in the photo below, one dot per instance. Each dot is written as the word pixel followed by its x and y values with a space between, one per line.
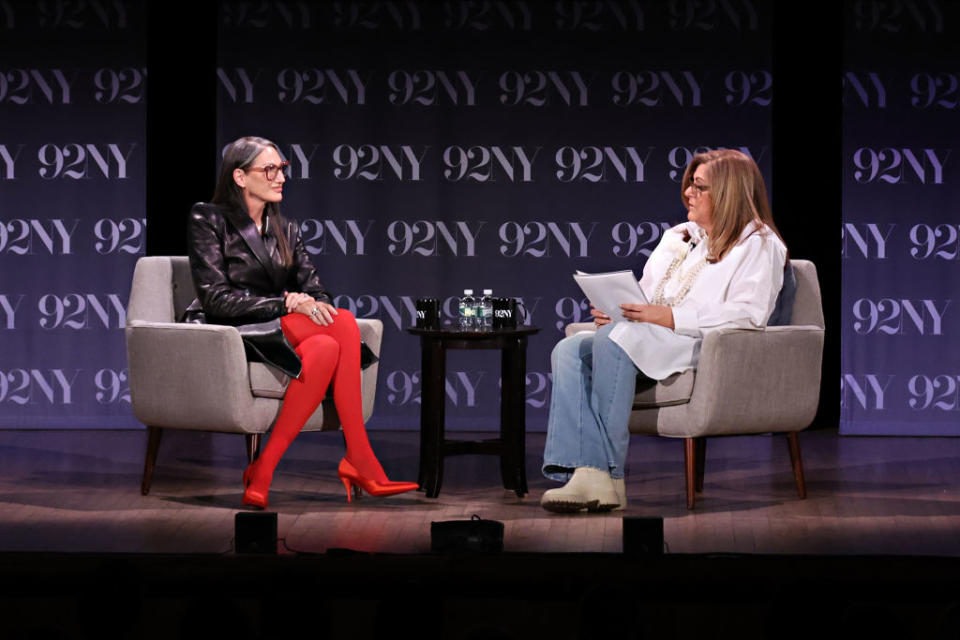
pixel 278 273
pixel 248 230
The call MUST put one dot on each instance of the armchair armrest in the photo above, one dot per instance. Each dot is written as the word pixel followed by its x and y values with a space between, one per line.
pixel 182 375
pixel 371 332
pixel 757 381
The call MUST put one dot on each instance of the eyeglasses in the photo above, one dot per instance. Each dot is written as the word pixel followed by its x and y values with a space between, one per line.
pixel 270 170
pixel 698 189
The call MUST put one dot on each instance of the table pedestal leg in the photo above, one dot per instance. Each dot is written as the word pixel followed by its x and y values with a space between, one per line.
pixel 513 367
pixel 433 371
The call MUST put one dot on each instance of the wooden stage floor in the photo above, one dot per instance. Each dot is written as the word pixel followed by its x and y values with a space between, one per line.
pixel 78 491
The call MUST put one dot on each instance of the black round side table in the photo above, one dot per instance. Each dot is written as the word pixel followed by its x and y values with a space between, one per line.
pixel 511 445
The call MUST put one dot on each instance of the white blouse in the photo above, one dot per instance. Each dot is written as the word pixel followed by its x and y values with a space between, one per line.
pixel 739 291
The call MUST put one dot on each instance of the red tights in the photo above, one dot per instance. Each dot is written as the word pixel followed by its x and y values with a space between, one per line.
pixel 330 353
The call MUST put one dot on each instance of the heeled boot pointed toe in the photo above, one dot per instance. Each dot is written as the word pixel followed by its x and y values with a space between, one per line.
pixel 352 479
pixel 253 496
pixel 588 488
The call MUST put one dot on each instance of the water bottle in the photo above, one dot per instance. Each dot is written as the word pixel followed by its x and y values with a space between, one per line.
pixel 468 311
pixel 486 310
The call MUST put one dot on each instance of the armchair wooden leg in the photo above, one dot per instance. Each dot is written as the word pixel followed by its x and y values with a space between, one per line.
pixel 690 458
pixel 253 447
pixel 153 445
pixel 794 441
pixel 701 461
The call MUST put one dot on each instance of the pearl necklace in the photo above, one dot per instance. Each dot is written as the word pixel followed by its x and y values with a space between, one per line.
pixel 686 280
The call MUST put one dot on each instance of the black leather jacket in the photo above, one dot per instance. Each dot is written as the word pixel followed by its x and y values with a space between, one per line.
pixel 240 279
pixel 237 272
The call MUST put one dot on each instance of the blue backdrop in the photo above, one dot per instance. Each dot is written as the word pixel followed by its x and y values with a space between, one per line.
pixel 443 145
pixel 437 146
pixel 72 208
pixel 900 233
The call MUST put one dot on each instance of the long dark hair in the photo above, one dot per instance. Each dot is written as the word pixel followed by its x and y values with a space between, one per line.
pixel 240 154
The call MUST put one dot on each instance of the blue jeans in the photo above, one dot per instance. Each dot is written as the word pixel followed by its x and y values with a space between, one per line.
pixel 594 382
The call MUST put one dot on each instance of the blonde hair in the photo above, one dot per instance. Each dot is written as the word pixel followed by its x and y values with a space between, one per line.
pixel 739 196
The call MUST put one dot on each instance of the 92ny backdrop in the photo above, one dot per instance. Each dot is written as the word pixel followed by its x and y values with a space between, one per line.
pixel 437 146
pixel 72 208
pixel 502 144
pixel 900 233
pixel 434 146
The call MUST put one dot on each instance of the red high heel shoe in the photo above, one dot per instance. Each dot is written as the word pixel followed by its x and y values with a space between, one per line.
pixel 351 478
pixel 252 497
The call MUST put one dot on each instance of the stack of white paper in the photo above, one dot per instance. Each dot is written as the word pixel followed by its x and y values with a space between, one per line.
pixel 607 291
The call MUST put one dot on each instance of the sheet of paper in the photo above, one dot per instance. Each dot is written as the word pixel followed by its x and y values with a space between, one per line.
pixel 607 291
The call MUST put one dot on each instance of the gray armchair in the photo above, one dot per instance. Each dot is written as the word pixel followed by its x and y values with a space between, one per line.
pixel 747 382
pixel 196 376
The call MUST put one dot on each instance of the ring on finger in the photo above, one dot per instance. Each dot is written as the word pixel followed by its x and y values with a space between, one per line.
pixel 314 311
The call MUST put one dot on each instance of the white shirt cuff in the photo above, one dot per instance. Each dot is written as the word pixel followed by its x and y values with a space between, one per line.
pixel 685 321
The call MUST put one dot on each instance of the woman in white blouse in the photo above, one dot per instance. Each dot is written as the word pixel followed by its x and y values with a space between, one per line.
pixel 723 268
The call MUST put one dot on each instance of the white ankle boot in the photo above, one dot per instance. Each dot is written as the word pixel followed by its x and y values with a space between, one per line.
pixel 588 488
pixel 620 486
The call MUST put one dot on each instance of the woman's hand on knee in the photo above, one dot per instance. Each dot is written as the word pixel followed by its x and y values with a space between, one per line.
pixel 320 312
pixel 292 299
pixel 599 317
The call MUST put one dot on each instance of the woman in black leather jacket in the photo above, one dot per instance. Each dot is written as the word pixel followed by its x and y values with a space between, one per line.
pixel 250 268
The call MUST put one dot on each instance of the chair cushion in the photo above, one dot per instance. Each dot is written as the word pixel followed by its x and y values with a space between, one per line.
pixel 783 309
pixel 673 390
pixel 266 382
